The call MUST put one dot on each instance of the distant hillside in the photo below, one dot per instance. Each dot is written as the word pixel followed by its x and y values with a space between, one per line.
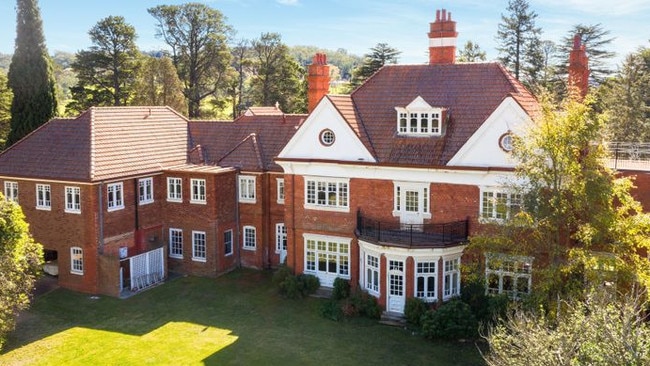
pixel 340 58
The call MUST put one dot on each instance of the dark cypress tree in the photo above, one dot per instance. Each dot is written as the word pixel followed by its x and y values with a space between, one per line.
pixel 31 77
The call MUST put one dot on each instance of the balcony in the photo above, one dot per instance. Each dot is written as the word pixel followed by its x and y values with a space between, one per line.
pixel 629 156
pixel 412 236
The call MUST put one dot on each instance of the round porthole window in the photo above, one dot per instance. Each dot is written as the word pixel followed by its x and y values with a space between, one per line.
pixel 327 137
pixel 505 142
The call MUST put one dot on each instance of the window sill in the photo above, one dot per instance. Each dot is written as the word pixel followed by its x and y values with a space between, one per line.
pixel 44 208
pixel 202 260
pixel 250 249
pixel 247 200
pixel 198 202
pixel 177 200
pixel 115 208
pixel 280 202
pixel 143 203
pixel 327 208
pixel 73 211
pixel 175 256
pixel 77 273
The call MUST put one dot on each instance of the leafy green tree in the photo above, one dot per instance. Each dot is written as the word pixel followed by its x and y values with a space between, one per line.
pixel 106 71
pixel 471 52
pixel 20 263
pixel 198 36
pixel 30 74
pixel 157 83
pixel 65 77
pixel 597 42
pixel 600 331
pixel 519 41
pixel 626 98
pixel 242 62
pixel 379 56
pixel 578 215
pixel 277 76
pixel 341 58
pixel 5 108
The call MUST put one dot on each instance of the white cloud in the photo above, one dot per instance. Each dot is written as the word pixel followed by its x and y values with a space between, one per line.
pixel 288 2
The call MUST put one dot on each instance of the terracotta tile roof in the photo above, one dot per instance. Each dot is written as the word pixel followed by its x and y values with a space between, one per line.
pixel 469 92
pixel 102 143
pixel 263 111
pixel 250 142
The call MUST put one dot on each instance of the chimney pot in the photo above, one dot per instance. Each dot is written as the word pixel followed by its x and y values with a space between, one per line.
pixel 442 39
pixel 318 80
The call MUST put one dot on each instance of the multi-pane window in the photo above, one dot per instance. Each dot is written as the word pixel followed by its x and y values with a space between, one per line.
pixel 500 205
pixel 451 278
pixel 73 199
pixel 174 189
pixel 372 273
pixel 176 243
pixel 115 196
pixel 508 274
pixel 327 256
pixel 227 242
pixel 419 122
pixel 76 260
pixel 426 280
pixel 247 188
pixel 280 238
pixel 43 201
pixel 249 238
pixel 412 198
pixel 11 191
pixel 145 190
pixel 280 190
pixel 395 278
pixel 198 190
pixel 198 246
pixel 327 193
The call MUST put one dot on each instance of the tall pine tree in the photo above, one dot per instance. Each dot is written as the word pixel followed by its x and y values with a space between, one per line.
pixel 31 78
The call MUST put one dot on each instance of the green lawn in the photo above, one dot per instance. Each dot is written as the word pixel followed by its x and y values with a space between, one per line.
pixel 237 319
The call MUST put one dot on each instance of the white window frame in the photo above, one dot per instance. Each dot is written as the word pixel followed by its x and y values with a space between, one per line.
pixel 280 190
pixel 280 237
pixel 317 186
pixel 372 279
pixel 498 205
pixel 11 191
pixel 198 190
pixel 199 246
pixel 411 122
pixel 247 188
pixel 249 238
pixel 77 260
pixel 508 268
pixel 331 250
pixel 424 199
pixel 43 197
pixel 145 191
pixel 423 270
pixel 115 196
pixel 174 189
pixel 227 243
pixel 72 199
pixel 451 277
pixel 176 243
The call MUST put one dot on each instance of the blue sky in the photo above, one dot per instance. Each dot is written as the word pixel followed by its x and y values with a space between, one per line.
pixel 355 25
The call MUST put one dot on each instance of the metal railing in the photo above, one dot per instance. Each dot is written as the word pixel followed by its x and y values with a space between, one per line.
pixel 412 235
pixel 629 155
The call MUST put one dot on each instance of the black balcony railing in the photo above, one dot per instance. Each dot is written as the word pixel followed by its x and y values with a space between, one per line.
pixel 411 235
pixel 629 155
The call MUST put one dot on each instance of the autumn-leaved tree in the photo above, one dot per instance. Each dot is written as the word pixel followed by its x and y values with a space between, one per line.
pixel 579 220
pixel 106 71
pixel 198 37
pixel 157 83
pixel 30 74
pixel 20 262
pixel 277 77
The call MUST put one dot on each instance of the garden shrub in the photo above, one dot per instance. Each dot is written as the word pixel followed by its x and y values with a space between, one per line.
pixel 311 283
pixel 291 287
pixel 295 287
pixel 453 320
pixel 414 309
pixel 331 309
pixel 341 289
pixel 281 274
pixel 366 304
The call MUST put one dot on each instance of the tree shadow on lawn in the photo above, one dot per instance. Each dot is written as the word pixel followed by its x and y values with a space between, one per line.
pixel 254 326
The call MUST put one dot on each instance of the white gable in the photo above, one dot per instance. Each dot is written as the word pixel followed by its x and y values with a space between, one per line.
pixel 483 148
pixel 306 143
pixel 418 104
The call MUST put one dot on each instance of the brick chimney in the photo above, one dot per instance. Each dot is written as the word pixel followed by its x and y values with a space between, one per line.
pixel 318 80
pixel 578 69
pixel 442 39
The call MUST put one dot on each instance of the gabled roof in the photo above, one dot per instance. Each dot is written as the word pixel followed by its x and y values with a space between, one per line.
pixel 469 92
pixel 103 143
pixel 249 143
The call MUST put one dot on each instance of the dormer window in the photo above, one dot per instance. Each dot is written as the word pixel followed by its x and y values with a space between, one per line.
pixel 419 119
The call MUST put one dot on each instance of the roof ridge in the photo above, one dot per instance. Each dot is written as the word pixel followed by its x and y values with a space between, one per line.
pixel 252 136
